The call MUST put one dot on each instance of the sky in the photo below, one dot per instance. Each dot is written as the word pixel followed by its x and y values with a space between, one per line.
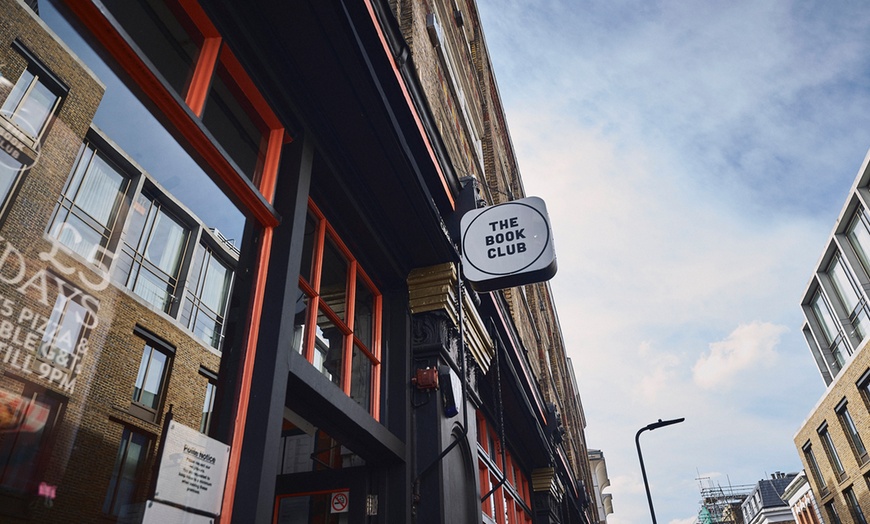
pixel 694 157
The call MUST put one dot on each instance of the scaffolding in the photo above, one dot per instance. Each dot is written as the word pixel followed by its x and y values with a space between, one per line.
pixel 721 504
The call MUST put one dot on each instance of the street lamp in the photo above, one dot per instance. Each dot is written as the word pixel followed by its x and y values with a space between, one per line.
pixel 655 425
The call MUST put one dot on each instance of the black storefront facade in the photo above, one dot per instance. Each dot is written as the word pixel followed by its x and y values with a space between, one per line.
pixel 352 374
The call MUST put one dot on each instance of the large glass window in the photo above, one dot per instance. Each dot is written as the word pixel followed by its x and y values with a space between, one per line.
pixel 850 298
pixel 31 104
pixel 87 216
pixel 851 432
pixel 153 251
pixel 858 234
pixel 26 113
pixel 208 290
pixel 164 33
pixel 305 447
pixel 831 334
pixel 342 327
pixel 128 473
pixel 232 119
pixel 187 51
pixel 831 451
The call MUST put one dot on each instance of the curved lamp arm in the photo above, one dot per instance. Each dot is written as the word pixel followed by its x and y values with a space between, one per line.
pixel 649 427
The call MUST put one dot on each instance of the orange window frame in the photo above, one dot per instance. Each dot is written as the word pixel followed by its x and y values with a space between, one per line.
pixel 317 305
pixel 211 53
pixel 513 494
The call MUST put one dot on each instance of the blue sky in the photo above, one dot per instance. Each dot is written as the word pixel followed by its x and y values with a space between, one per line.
pixel 694 157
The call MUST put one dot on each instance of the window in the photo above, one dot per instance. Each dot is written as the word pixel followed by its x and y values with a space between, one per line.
pixel 306 447
pixel 341 331
pixel 152 376
pixel 128 473
pixel 858 234
pixel 831 336
pixel 88 211
pixel 34 99
pixel 863 385
pixel 832 513
pixel 208 290
pixel 64 344
pixel 208 403
pixel 854 507
pixel 509 503
pixel 230 116
pixel 164 33
pixel 28 415
pixel 151 259
pixel 831 451
pixel 186 50
pixel 25 116
pixel 851 431
pixel 850 298
pixel 814 468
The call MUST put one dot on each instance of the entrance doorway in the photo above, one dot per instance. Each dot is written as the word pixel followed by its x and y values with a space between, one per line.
pixel 321 481
pixel 328 507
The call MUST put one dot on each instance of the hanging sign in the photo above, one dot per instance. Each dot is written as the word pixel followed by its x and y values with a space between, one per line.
pixel 508 245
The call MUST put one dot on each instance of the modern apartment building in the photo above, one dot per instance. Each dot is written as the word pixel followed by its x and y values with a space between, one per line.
pixel 832 441
pixel 231 282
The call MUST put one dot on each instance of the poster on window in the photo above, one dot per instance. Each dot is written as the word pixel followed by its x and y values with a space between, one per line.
pixel 193 469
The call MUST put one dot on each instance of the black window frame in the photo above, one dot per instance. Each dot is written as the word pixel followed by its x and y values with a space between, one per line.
pixel 853 435
pixel 111 504
pixel 834 459
pixel 66 204
pixel 155 343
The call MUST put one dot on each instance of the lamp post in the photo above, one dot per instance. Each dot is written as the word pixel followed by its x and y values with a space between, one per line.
pixel 655 425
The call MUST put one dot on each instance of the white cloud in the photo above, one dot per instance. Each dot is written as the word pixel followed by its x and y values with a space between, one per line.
pixel 693 157
pixel 750 346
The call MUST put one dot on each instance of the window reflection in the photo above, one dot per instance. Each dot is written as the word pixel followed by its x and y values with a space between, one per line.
pixel 30 104
pixel 305 447
pixel 88 210
pixel 150 260
pixel 164 33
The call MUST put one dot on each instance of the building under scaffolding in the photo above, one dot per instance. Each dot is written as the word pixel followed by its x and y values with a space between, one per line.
pixel 721 504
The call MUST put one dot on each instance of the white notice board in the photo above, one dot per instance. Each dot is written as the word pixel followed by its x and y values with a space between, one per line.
pixel 193 470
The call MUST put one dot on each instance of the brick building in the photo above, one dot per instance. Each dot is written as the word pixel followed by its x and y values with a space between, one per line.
pixel 832 440
pixel 245 222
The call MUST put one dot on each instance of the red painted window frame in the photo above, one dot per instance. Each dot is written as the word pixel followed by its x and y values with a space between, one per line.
pixel 315 303
pixel 512 500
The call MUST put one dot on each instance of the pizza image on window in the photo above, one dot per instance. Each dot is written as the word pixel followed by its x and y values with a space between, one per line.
pixel 21 414
pixel 11 413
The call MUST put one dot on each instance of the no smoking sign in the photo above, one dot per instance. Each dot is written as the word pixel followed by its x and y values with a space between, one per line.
pixel 338 502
